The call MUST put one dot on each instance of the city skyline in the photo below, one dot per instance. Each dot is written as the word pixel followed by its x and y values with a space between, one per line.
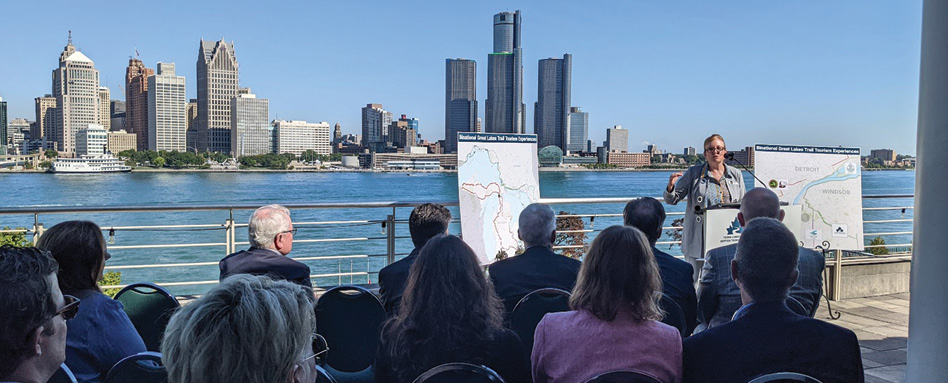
pixel 755 73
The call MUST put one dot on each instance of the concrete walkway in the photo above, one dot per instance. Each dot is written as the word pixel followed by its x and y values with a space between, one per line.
pixel 881 324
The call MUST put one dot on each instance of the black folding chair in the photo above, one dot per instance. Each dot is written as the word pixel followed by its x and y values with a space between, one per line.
pixel 674 316
pixel 459 373
pixel 350 319
pixel 623 376
pixel 797 307
pixel 144 367
pixel 149 307
pixel 785 377
pixel 528 312
pixel 62 375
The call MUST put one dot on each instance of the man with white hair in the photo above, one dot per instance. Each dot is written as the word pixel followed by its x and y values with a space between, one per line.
pixel 538 267
pixel 271 239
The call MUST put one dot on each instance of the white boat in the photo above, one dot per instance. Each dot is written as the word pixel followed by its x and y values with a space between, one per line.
pixel 102 163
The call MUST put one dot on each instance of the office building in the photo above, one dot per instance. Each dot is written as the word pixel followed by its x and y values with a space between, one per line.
pixel 136 100
pixel 250 119
pixel 578 122
pixel 551 111
pixel 628 160
pixel 45 117
pixel 191 135
pixel 167 110
pixel 120 141
pixel 690 151
pixel 337 133
pixel 299 136
pixel 92 140
pixel 375 126
pixel 744 156
pixel 76 88
pixel 404 132
pixel 460 101
pixel 4 134
pixel 217 80
pixel 505 109
pixel 617 139
pixel 105 117
pixel 883 154
pixel 117 115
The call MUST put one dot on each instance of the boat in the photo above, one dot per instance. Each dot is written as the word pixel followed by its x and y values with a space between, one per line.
pixel 100 163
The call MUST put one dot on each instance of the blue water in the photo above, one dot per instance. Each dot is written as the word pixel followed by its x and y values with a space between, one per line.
pixel 168 189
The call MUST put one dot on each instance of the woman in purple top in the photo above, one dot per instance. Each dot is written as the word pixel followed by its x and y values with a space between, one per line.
pixel 101 334
pixel 614 325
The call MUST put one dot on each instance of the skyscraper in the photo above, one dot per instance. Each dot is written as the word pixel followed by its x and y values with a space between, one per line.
pixel 76 88
pixel 617 139
pixel 337 133
pixel 45 117
pixel 375 126
pixel 167 110
pixel 460 101
pixel 192 112
pixel 136 101
pixel 299 136
pixel 250 119
pixel 217 79
pixel 117 114
pixel 105 117
pixel 505 112
pixel 578 130
pixel 4 137
pixel 551 110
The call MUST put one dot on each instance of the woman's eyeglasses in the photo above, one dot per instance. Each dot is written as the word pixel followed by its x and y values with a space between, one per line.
pixel 718 149
pixel 320 347
pixel 71 309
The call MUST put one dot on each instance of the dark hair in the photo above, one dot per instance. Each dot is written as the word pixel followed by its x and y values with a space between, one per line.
pixel 26 301
pixel 619 273
pixel 426 221
pixel 449 311
pixel 79 247
pixel 646 214
pixel 766 260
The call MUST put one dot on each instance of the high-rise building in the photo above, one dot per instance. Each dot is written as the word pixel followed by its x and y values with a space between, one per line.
pixel 18 129
pixel 46 110
pixel 299 136
pixel 136 100
pixel 460 101
pixel 4 135
pixel 689 151
pixel 120 141
pixel 578 130
pixel 105 118
pixel 617 139
pixel 117 115
pixel 404 132
pixel 217 79
pixel 375 126
pixel 337 133
pixel 192 136
pixel 76 88
pixel 551 111
pixel 167 110
pixel 505 109
pixel 250 118
pixel 92 140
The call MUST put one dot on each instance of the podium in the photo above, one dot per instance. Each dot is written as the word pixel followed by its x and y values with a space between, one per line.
pixel 720 226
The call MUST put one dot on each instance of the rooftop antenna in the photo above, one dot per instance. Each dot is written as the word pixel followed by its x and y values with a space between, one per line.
pixel 70 37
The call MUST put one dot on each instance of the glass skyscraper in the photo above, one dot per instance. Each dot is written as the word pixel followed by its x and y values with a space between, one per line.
pixel 551 110
pixel 578 130
pixel 505 112
pixel 460 101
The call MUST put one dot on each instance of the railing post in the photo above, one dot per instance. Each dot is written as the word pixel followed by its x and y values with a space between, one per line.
pixel 390 240
pixel 229 234
pixel 37 232
pixel 837 274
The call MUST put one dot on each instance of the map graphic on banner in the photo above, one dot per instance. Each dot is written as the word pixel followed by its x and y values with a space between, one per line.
pixel 497 178
pixel 826 182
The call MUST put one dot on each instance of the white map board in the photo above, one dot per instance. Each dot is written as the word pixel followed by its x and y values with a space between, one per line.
pixel 826 182
pixel 497 178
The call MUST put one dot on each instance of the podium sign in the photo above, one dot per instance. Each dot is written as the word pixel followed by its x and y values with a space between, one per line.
pixel 721 227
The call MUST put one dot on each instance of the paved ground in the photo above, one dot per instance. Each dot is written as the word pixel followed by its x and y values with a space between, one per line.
pixel 881 324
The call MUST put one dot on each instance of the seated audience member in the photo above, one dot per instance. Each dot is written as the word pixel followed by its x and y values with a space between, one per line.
pixel 247 329
pixel 271 239
pixel 718 295
pixel 614 324
pixel 449 313
pixel 101 335
pixel 765 336
pixel 34 314
pixel 538 267
pixel 426 221
pixel 648 215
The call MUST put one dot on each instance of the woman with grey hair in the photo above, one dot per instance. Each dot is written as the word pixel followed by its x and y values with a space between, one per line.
pixel 247 329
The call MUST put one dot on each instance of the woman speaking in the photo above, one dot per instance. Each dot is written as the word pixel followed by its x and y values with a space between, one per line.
pixel 709 184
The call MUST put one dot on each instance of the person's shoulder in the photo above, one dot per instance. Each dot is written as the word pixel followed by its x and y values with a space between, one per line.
pixel 400 265
pixel 810 253
pixel 723 251
pixel 668 260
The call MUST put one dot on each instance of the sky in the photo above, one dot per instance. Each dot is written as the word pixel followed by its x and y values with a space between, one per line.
pixel 807 72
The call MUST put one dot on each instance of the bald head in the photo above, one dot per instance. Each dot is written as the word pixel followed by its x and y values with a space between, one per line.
pixel 760 202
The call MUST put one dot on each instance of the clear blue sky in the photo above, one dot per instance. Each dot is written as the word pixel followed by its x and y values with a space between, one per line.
pixel 782 72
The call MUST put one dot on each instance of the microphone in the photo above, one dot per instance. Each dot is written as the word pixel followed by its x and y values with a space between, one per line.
pixel 730 156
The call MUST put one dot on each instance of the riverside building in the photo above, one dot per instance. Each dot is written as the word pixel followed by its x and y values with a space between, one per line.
pixel 551 111
pixel 617 139
pixel 250 118
pixel 76 88
pixel 578 131
pixel 375 127
pixel 299 136
pixel 105 117
pixel 120 141
pixel 505 112
pixel 217 79
pixel 92 140
pixel 460 101
pixel 167 114
pixel 136 100
pixel 45 117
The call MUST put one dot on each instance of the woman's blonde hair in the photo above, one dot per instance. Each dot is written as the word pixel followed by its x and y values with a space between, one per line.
pixel 712 138
pixel 247 329
pixel 619 273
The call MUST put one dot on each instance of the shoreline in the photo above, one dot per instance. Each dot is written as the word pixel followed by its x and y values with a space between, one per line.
pixel 309 170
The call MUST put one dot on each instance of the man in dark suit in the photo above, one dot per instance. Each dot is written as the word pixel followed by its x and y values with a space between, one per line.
pixel 426 221
pixel 538 267
pixel 718 295
pixel 765 336
pixel 271 239
pixel 648 215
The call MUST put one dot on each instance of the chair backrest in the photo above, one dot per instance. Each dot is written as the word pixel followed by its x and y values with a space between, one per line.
pixel 322 376
pixel 528 312
pixel 674 316
pixel 144 367
pixel 149 307
pixel 623 376
pixel 350 318
pixel 785 377
pixel 797 307
pixel 62 375
pixel 459 373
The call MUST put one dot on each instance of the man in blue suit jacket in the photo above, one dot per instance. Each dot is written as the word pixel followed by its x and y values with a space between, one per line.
pixel 765 336
pixel 718 295
pixel 271 239
pixel 538 267
pixel 648 215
